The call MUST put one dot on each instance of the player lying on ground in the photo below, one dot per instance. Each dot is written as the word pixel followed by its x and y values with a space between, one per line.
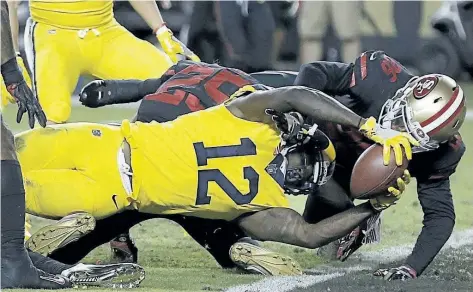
pixel 381 81
pixel 22 268
pixel 206 85
pixel 72 38
pixel 432 108
pixel 154 189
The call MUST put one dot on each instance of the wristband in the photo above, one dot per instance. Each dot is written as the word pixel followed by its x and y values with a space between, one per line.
pixel 159 30
pixel 11 72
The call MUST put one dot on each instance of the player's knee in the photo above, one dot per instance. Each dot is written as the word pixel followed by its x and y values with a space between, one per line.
pixel 57 112
pixel 8 144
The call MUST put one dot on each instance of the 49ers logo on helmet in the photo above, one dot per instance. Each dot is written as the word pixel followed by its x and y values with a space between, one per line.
pixel 425 86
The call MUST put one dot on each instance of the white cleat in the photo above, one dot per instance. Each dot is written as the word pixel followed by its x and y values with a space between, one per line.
pixel 116 276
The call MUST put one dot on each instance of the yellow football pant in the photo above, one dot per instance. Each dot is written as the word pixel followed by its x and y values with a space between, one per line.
pixel 72 168
pixel 59 56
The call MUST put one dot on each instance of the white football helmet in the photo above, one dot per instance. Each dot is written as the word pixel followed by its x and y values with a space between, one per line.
pixel 431 108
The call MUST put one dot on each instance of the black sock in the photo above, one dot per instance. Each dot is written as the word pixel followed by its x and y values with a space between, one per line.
pixel 13 206
pixel 47 264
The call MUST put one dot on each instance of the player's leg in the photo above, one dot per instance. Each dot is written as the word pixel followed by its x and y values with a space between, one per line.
pixel 126 57
pixel 55 62
pixel 231 26
pixel 312 23
pixel 261 30
pixel 79 155
pixel 231 247
pixel 105 230
pixel 17 269
pixel 346 18
pixel 82 155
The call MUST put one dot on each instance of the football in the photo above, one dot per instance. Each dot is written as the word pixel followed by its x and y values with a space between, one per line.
pixel 370 177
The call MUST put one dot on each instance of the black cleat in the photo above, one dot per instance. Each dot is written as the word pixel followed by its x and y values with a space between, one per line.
pixel 369 232
pixel 123 250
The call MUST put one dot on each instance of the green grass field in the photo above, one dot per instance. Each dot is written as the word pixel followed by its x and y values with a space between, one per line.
pixel 175 263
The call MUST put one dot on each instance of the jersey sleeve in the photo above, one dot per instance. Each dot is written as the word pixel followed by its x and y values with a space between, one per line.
pixel 435 196
pixel 441 163
pixel 330 77
pixel 377 76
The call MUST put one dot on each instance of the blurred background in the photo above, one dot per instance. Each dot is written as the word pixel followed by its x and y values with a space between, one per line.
pixel 426 36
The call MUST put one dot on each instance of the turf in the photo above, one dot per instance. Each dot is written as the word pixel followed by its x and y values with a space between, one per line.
pixel 175 263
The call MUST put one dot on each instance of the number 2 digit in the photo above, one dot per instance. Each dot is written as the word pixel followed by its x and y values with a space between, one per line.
pixel 246 148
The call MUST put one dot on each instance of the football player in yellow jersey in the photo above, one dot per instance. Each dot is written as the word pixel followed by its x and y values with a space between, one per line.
pixel 65 39
pixel 196 167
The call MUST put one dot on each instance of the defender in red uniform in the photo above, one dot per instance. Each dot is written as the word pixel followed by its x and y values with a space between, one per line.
pixel 431 107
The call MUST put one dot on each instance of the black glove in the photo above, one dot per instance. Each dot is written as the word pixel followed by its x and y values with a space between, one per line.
pixel 402 273
pixel 290 125
pixel 96 94
pixel 27 102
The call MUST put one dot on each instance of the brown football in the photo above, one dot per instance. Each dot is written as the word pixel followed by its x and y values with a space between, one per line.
pixel 370 177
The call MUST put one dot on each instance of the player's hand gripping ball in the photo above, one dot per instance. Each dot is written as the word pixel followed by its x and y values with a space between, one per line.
pixel 389 139
pixel 393 195
pixel 370 178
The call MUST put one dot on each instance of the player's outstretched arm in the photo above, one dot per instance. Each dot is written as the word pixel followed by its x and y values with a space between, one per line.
pixel 288 226
pixel 323 108
pixel 100 93
pixel 149 11
pixel 309 102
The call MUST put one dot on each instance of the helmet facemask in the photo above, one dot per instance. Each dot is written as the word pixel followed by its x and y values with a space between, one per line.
pixel 307 166
pixel 396 114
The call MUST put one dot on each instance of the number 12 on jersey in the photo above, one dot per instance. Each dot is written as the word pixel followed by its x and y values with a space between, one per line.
pixel 246 148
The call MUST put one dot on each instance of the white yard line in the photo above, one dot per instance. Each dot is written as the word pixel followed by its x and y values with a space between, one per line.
pixel 283 284
pixel 369 261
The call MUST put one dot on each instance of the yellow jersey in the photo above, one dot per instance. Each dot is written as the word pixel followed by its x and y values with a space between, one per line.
pixel 72 14
pixel 207 164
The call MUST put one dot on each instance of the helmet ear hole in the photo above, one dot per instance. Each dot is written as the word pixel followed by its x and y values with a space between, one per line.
pixel 437 99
